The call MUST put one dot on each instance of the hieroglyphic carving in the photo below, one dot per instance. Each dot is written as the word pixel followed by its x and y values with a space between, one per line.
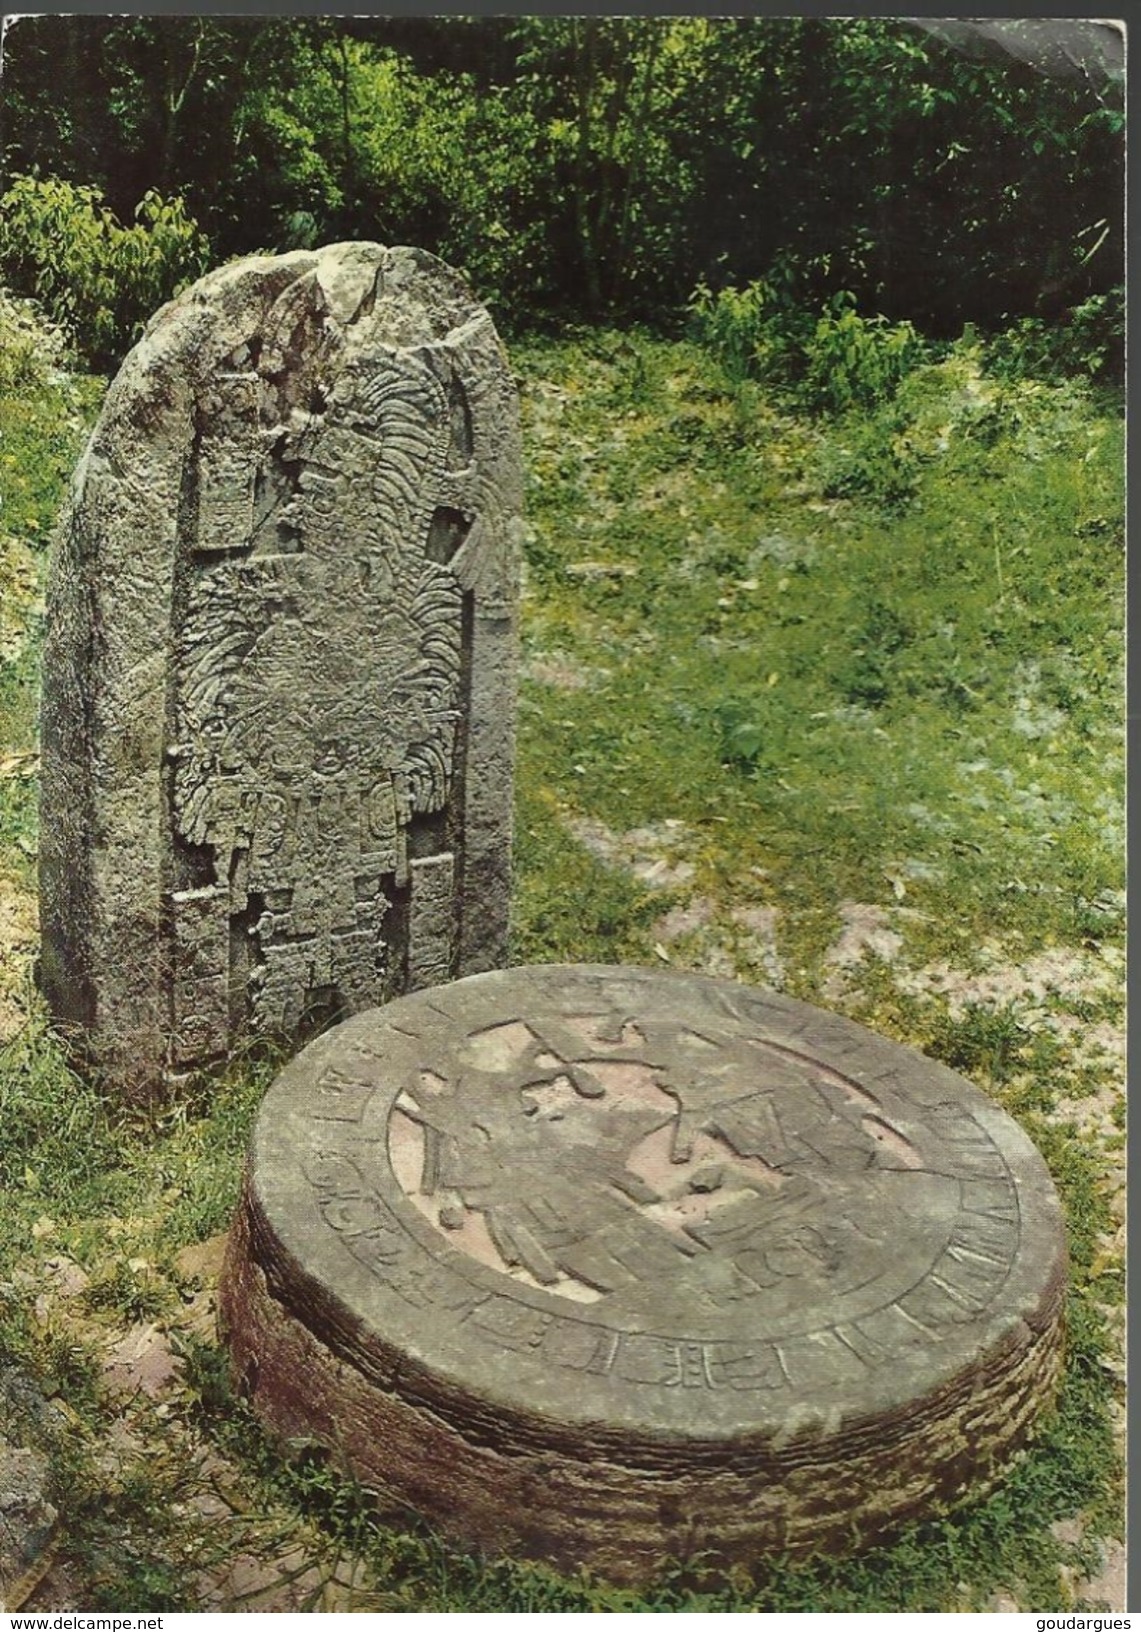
pixel 199 985
pixel 641 1155
pixel 673 1202
pixel 430 938
pixel 228 462
pixel 608 1339
pixel 332 588
pixel 642 1246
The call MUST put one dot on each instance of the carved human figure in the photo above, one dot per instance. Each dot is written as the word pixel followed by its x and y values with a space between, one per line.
pixel 589 1163
pixel 297 743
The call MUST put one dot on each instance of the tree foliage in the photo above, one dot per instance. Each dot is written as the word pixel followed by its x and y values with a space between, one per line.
pixel 100 280
pixel 604 166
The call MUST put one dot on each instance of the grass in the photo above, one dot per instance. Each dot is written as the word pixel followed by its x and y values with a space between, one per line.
pixel 798 665
pixel 832 694
pixel 41 426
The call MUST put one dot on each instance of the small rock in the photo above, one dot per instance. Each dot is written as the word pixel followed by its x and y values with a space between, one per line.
pixel 141 1362
pixel 593 570
pixel 286 1582
pixel 639 850
pixel 24 1410
pixel 1003 1604
pixel 864 928
pixel 203 1260
pixel 1108 1585
pixel 559 671
pixel 661 874
pixel 67 1278
pixel 680 921
pixel 761 920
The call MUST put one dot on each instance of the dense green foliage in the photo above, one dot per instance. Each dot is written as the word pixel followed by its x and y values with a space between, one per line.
pixel 60 243
pixel 594 165
pixel 840 362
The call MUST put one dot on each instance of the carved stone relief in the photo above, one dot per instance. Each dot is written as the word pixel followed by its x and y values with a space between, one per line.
pixel 278 716
pixel 647 1225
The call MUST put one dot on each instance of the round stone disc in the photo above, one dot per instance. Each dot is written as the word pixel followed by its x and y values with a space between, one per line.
pixel 614 1267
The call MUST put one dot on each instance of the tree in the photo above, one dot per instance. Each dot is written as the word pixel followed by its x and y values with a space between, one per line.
pixel 602 165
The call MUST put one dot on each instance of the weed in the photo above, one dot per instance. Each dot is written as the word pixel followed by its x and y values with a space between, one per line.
pixel 737 325
pixel 60 1143
pixel 876 463
pixel 984 1042
pixel 838 363
pixel 122 1570
pixel 131 1289
pixel 856 362
pixel 1091 341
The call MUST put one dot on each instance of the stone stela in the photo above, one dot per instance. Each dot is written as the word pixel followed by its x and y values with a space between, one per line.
pixel 573 1232
pixel 279 675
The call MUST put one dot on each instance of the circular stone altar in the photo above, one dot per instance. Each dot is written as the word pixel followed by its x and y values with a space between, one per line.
pixel 615 1267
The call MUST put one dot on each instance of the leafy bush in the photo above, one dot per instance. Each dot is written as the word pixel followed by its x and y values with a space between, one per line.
pixel 30 348
pixel 99 280
pixel 877 461
pixel 756 332
pixel 1090 342
pixel 732 323
pixel 744 740
pixel 854 361
pixel 842 361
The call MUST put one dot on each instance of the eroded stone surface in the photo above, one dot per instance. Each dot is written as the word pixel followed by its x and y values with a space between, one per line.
pixel 612 1266
pixel 27 1517
pixel 278 709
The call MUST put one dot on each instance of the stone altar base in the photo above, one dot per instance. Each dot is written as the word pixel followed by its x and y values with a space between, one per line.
pixel 612 1267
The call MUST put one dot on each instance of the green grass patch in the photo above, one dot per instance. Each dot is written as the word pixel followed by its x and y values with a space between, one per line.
pixel 44 415
pixel 821 690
